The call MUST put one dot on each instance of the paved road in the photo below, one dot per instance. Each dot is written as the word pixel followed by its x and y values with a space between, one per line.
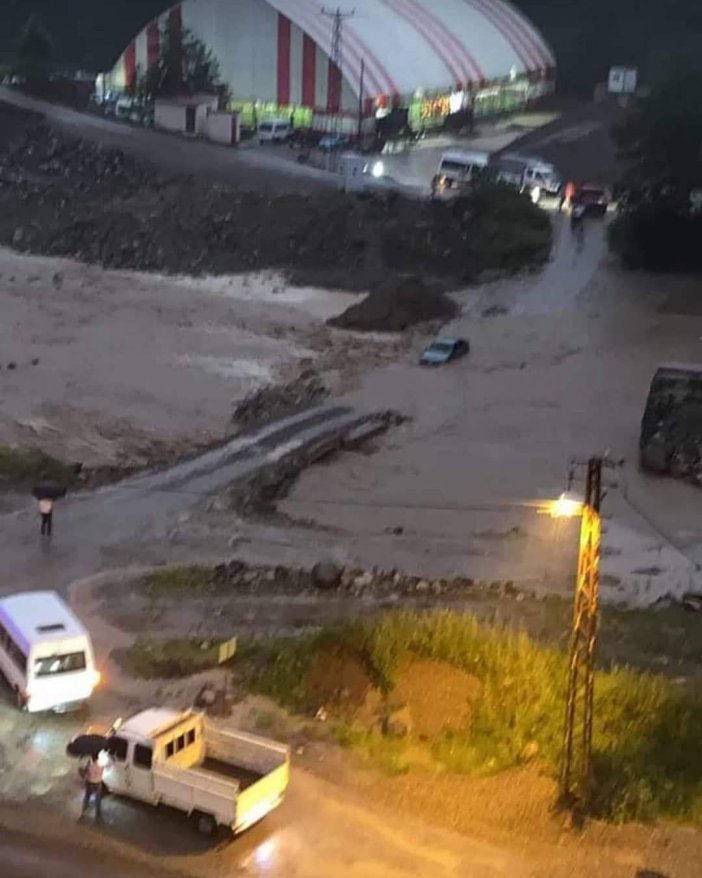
pixel 88 526
pixel 259 169
pixel 22 858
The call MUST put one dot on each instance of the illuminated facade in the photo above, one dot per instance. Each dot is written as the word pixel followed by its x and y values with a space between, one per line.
pixel 428 56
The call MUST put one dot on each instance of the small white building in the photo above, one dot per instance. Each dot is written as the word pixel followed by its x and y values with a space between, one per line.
pixel 187 114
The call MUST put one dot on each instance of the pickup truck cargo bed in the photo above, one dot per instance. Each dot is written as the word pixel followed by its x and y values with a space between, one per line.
pixel 245 776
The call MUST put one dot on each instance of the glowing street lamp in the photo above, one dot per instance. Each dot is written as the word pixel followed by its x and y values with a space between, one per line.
pixel 568 505
pixel 577 744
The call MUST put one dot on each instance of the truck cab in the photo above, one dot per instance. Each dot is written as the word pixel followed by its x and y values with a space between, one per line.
pixel 180 759
pixel 530 174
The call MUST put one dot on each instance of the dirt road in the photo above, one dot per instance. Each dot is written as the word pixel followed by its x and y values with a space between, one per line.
pixel 94 529
pixel 251 169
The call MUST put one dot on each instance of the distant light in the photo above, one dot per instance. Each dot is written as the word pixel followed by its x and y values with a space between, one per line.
pixel 566 506
pixel 512 74
pixel 378 169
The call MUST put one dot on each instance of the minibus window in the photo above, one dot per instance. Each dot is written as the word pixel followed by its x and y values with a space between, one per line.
pixel 47 666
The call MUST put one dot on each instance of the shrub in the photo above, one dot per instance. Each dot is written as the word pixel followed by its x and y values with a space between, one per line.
pixel 179 657
pixel 657 237
pixel 21 468
pixel 647 731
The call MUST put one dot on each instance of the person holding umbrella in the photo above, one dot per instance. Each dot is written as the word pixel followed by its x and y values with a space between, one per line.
pixel 46 493
pixel 93 786
pixel 93 750
pixel 46 511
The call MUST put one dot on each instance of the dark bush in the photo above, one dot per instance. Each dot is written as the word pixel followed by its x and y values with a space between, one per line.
pixel 657 237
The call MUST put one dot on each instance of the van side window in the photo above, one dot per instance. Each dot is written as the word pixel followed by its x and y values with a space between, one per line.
pixel 117 747
pixel 11 648
pixel 143 756
pixel 181 743
pixel 170 749
pixel 191 736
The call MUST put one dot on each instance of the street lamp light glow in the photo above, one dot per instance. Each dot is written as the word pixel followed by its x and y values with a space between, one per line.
pixel 566 506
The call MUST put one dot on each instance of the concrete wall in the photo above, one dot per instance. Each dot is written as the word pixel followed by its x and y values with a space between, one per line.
pixel 222 128
pixel 168 116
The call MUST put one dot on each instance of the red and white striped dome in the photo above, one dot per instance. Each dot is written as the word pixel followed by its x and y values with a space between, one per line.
pixel 278 50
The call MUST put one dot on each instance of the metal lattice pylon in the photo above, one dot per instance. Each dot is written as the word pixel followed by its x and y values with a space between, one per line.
pixel 577 747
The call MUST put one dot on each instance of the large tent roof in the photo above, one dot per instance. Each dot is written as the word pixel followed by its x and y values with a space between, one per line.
pixel 405 45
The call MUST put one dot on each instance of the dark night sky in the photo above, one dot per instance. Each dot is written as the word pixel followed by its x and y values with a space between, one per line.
pixel 587 35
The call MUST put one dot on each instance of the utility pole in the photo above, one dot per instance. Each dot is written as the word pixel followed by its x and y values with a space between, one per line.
pixel 577 746
pixel 338 17
pixel 360 102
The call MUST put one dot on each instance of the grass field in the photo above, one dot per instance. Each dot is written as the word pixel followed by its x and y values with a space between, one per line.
pixel 647 760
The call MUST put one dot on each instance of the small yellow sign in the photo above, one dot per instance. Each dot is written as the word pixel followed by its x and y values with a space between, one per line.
pixel 227 650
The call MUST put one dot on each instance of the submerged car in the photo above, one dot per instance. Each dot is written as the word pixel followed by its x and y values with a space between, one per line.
pixel 443 350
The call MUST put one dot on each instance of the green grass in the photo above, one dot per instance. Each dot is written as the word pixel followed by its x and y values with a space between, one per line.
pixel 21 468
pixel 647 755
pixel 168 581
pixel 178 657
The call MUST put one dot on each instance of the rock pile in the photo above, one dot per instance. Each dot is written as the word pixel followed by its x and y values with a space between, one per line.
pixel 276 401
pixel 395 305
pixel 327 576
pixel 69 197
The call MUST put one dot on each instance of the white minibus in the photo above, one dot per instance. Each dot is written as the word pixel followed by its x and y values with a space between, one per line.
pixel 45 653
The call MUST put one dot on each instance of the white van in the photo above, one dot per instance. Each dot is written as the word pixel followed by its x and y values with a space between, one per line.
pixel 45 653
pixel 457 168
pixel 273 130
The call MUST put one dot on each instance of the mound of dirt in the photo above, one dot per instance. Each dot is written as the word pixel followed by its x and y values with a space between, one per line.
pixel 396 305
pixel 62 196
pixel 438 696
pixel 338 680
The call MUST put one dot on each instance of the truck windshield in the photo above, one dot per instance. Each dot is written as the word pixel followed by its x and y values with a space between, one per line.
pixel 59 664
pixel 449 167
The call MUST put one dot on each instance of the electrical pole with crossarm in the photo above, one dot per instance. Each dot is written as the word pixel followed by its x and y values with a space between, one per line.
pixel 338 17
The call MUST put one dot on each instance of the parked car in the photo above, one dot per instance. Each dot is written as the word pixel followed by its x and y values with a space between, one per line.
pixel 274 130
pixel 443 350
pixel 593 197
pixel 333 141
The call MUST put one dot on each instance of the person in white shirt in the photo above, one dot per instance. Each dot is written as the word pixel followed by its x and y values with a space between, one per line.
pixel 93 786
pixel 46 510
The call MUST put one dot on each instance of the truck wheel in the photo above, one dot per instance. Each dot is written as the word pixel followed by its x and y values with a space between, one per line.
pixel 204 823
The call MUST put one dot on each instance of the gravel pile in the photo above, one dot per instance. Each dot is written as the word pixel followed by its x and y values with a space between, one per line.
pixel 70 197
pixel 397 305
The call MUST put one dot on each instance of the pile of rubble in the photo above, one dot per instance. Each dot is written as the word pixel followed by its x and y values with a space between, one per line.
pixel 275 401
pixel 70 197
pixel 330 577
pixel 258 495
pixel 395 305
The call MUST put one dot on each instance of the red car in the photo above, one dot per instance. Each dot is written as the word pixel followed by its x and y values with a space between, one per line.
pixel 594 198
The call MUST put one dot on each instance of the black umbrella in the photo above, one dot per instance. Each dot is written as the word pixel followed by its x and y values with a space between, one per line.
pixel 87 745
pixel 48 491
